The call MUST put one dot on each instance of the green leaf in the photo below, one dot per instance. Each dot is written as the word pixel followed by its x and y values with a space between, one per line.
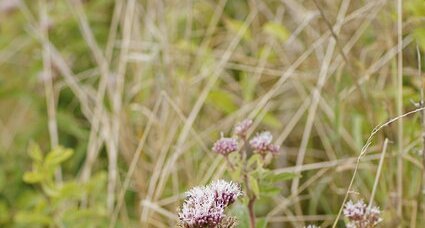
pixel 253 185
pixel 255 158
pixel 57 156
pixel 270 190
pixel 50 189
pixel 277 30
pixel 271 121
pixel 261 223
pixel 260 172
pixel 235 158
pixel 242 214
pixel 4 213
pixel 34 152
pixel 33 177
pixel 222 100
pixel 71 190
pixel 97 183
pixel 281 177
pixel 33 218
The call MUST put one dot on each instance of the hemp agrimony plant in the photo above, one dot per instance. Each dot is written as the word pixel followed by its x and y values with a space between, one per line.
pixel 247 159
pixel 204 206
pixel 360 215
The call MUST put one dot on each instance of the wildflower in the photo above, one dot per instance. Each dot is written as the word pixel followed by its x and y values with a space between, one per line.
pixel 242 128
pixel 354 211
pixel 204 206
pixel 361 216
pixel 225 192
pixel 262 143
pixel 199 210
pixel 274 149
pixel 225 146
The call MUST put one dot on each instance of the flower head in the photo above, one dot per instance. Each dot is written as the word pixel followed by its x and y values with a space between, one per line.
pixel 199 209
pixel 225 192
pixel 354 211
pixel 242 128
pixel 204 206
pixel 373 215
pixel 274 149
pixel 225 146
pixel 360 215
pixel 262 143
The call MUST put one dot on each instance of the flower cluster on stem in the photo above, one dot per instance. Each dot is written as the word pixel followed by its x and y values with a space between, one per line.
pixel 260 144
pixel 360 215
pixel 242 128
pixel 204 206
pixel 225 146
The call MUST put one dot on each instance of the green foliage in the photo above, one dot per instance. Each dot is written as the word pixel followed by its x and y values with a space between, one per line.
pixel 259 183
pixel 253 186
pixel 261 223
pixel 272 177
pixel 241 212
pixel 222 100
pixel 272 121
pixel 59 202
pixel 262 181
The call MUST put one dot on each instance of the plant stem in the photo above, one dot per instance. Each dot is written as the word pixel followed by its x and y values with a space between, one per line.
pixel 251 195
pixel 231 166
pixel 251 211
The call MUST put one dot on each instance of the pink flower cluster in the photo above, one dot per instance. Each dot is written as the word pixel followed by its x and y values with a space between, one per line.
pixel 361 216
pixel 225 193
pixel 241 129
pixel 261 143
pixel 225 146
pixel 204 206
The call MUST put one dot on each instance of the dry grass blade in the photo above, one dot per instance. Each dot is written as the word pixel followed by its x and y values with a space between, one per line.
pixel 133 166
pixel 378 173
pixel 364 151
pixel 400 106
